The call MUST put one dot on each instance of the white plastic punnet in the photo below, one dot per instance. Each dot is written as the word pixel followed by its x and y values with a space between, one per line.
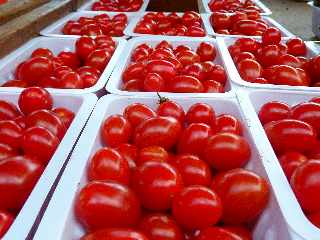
pixel 300 228
pixel 88 6
pixel 59 221
pixel 264 9
pixel 9 64
pixel 272 23
pixel 115 83
pixel 236 79
pixel 82 105
pixel 55 29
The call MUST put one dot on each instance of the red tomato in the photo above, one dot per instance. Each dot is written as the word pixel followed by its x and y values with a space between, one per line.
pixel 193 170
pixel 286 75
pixel 71 80
pixel 160 227
pixel 296 47
pixel 133 71
pixel 274 111
pixel 8 110
pixel 169 108
pixel 10 133
pixel 129 152
pixel 35 68
pixel 220 21
pixel 203 206
pixel 84 46
pixel 97 201
pixel 290 60
pixel 6 151
pixel 185 84
pixel 247 27
pixel 34 98
pixel 314 218
pixel 39 142
pixel 133 85
pixel 188 57
pixel 201 113
pixel 218 233
pixel 115 234
pixel 271 36
pixel 153 82
pixel 247 45
pixel 6 219
pixel 306 185
pixel 217 74
pixel 98 59
pixel 249 69
pixel 195 70
pixel 21 121
pixel 158 131
pixel 226 123
pixel 136 113
pixel 156 184
pixel 60 71
pixel 116 130
pixel 19 174
pixel 48 120
pixel 152 153
pixel 108 165
pixel 244 55
pixel 65 115
pixel 162 67
pixel 100 40
pixel 290 161
pixel 269 55
pixel 194 138
pixel 244 195
pixel 15 83
pixel 291 135
pixel 212 86
pixel 42 52
pixel 206 51
pixel 69 59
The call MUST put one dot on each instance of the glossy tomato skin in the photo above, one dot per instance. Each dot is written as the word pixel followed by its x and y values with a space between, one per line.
pixel 290 161
pixel 206 51
pixel 314 218
pixel 65 115
pixel 225 151
pixel 193 170
pixel 218 233
pixel 185 84
pixel 171 109
pixel 305 184
pixel 6 151
pixel 249 69
pixel 116 130
pixel 10 133
pixel 273 111
pixel 204 207
pixel 136 113
pixel 226 123
pixel 34 98
pixel 84 46
pixel 194 138
pixel 296 47
pixel 108 165
pixel 159 226
pixel 8 110
pixel 153 82
pixel 129 152
pixel 156 184
pixel 95 204
pixel 98 59
pixel 69 59
pixel 6 219
pixel 271 36
pixel 115 234
pixel 290 135
pixel 158 131
pixel 35 68
pixel 287 75
pixel 152 153
pixel 18 176
pixel 244 195
pixel 162 67
pixel 201 113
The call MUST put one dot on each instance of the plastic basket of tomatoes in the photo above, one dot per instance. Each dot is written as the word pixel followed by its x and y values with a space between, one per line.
pixel 167 23
pixel 155 182
pixel 276 64
pixel 290 120
pixel 186 65
pixel 91 24
pixel 240 24
pixel 235 6
pixel 67 65
pixel 38 130
pixel 115 6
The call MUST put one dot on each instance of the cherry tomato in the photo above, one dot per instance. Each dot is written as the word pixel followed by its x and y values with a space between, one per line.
pixel 212 86
pixel 290 60
pixel 19 174
pixel 286 75
pixel 169 108
pixel 160 227
pixel 6 151
pixel 15 83
pixel 98 59
pixel 247 45
pixel 271 36
pixel 201 113
pixel 8 110
pixel 35 68
pixel 305 184
pixel 206 51
pixel 249 69
pixel 158 131
pixel 244 195
pixel 65 115
pixel 290 161
pixel 188 57
pixel 69 59
pixel 153 82
pixel 273 111
pixel 136 113
pixel 217 74
pixel 244 55
pixel 220 20
pixel 185 84
pixel 84 46
pixel 115 234
pixel 133 85
pixel 162 67
pixel 71 80
pixel 133 71
pixel 218 233
pixel 195 70
pixel 97 201
pixel 152 153
pixel 225 151
pixel 10 133
pixel 6 219
pixel 314 218
pixel 129 152
pixel 269 55
pixel 226 123
pixel 296 47
pixel 204 207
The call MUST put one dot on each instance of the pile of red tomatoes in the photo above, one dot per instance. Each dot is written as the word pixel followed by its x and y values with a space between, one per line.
pixel 170 174
pixel 168 69
pixel 294 135
pixel 230 6
pixel 239 23
pixel 189 24
pixel 29 137
pixel 101 24
pixel 117 5
pixel 273 62
pixel 67 70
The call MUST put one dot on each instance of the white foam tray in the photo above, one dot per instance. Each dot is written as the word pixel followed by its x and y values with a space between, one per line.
pixel 56 45
pixel 236 79
pixel 264 9
pixel 299 226
pixel 314 46
pixel 272 23
pixel 55 29
pixel 115 82
pixel 87 6
pixel 129 30
pixel 82 106
pixel 59 221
